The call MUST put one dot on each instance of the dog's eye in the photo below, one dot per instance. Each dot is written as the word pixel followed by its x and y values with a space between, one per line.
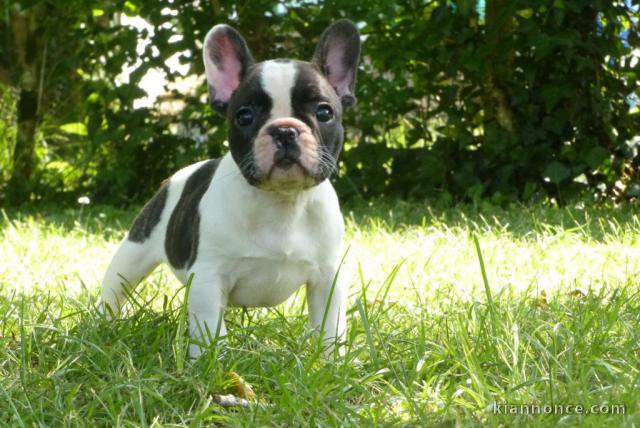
pixel 324 113
pixel 244 116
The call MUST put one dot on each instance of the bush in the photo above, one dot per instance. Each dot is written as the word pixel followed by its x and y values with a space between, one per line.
pixel 513 100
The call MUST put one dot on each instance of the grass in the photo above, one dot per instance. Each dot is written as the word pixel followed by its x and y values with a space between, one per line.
pixel 551 318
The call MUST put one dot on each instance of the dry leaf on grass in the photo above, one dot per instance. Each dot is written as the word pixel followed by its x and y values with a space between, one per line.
pixel 577 293
pixel 242 388
pixel 541 300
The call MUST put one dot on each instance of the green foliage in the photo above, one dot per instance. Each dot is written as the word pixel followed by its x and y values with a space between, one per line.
pixel 522 101
pixel 564 74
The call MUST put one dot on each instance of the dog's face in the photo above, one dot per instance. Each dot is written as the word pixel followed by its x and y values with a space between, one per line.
pixel 284 115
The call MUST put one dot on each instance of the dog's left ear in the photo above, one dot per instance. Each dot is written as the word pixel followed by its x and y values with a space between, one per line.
pixel 226 60
pixel 337 55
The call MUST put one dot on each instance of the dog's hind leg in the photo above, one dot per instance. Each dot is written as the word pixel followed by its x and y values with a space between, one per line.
pixel 138 253
pixel 132 262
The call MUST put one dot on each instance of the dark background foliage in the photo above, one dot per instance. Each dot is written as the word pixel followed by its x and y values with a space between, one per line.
pixel 457 100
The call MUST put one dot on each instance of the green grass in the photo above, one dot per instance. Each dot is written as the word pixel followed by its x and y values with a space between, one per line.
pixel 554 319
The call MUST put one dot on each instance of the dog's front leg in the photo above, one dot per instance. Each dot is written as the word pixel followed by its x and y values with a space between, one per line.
pixel 328 308
pixel 206 311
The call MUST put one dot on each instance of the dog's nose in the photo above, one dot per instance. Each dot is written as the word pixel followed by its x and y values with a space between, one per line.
pixel 287 150
pixel 284 136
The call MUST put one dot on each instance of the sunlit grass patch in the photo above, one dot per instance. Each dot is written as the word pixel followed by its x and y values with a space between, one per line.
pixel 427 343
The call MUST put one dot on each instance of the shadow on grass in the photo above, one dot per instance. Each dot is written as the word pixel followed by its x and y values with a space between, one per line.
pixel 104 220
pixel 596 223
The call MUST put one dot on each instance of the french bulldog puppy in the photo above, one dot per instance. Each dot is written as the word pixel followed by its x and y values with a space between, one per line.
pixel 256 224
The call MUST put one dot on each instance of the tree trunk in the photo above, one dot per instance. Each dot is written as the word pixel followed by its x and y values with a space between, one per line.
pixel 25 70
pixel 496 98
pixel 24 152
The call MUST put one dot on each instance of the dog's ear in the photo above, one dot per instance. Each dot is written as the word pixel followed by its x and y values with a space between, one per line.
pixel 226 60
pixel 337 56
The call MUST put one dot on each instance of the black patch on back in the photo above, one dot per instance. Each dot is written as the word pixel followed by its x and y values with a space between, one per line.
pixel 149 217
pixel 183 230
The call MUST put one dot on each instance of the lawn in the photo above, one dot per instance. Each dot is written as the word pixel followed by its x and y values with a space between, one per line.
pixel 552 322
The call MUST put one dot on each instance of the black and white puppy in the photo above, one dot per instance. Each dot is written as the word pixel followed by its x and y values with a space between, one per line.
pixel 256 224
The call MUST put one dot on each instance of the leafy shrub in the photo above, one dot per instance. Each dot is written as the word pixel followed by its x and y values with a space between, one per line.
pixel 513 100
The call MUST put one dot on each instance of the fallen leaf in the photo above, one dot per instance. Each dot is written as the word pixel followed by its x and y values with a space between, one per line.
pixel 243 389
pixel 577 293
pixel 541 300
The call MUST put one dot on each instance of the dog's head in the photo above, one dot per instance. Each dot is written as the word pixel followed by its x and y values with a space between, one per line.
pixel 284 115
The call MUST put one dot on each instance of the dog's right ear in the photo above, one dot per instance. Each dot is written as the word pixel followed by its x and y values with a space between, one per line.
pixel 226 60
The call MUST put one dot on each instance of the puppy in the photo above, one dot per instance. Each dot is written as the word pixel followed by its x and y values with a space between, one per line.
pixel 256 224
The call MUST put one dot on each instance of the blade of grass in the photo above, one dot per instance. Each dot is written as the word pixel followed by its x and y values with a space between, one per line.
pixel 487 289
pixel 367 331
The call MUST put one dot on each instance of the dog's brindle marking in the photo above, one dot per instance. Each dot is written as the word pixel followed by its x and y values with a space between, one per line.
pixel 150 215
pixel 182 237
pixel 251 93
pixel 307 89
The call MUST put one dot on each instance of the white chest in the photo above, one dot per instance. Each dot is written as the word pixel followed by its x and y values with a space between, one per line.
pixel 262 246
pixel 273 264
pixel 264 282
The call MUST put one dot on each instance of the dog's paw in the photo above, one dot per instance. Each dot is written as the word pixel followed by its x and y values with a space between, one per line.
pixel 107 309
pixel 195 351
pixel 333 350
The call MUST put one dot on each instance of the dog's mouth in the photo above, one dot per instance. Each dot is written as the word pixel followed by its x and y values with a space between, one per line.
pixel 286 163
pixel 288 173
